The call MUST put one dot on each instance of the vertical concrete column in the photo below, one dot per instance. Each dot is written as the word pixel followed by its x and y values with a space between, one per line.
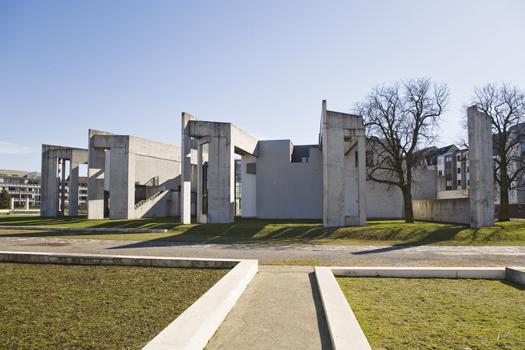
pixel 122 179
pixel 201 217
pixel 333 176
pixel 185 176
pixel 49 182
pixel 361 154
pixel 27 202
pixel 481 169
pixel 12 203
pixel 221 177
pixel 62 211
pixel 96 167
pixel 249 187
pixel 73 188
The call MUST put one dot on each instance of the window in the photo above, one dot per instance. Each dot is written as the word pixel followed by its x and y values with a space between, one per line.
pixel 459 182
pixel 369 158
pixel 468 182
pixel 459 170
pixel 458 158
pixel 440 161
pixel 440 172
pixel 305 159
pixel 467 169
pixel 520 209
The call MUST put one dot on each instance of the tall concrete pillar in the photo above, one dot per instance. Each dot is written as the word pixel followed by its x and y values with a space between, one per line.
pixel 333 177
pixel 12 203
pixel 481 167
pixel 73 188
pixel 62 211
pixel 27 202
pixel 49 183
pixel 201 216
pixel 221 177
pixel 185 181
pixel 361 142
pixel 122 179
pixel 96 183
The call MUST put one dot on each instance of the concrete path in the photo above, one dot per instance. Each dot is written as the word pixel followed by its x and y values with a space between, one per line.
pixel 280 309
pixel 470 256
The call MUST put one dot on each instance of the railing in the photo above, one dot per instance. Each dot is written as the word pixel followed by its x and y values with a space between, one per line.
pixel 148 199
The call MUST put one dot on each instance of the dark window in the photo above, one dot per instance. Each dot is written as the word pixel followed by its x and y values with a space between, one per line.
pixel 369 158
pixel 519 208
pixel 459 182
pixel 459 170
pixel 440 172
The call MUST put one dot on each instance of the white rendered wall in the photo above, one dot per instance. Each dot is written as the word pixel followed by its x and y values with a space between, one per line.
pixel 248 188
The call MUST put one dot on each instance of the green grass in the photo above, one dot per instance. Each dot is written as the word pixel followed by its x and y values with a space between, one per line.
pixel 280 231
pixel 397 313
pixel 93 307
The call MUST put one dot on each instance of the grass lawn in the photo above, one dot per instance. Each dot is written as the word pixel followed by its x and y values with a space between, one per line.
pixel 279 231
pixel 397 313
pixel 93 307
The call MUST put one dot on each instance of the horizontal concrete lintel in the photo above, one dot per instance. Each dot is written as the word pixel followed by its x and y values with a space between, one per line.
pixel 83 229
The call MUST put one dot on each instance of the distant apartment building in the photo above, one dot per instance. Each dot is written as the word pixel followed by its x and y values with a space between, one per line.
pixel 24 186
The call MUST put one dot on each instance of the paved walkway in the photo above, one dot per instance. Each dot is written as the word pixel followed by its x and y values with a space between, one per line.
pixel 280 309
pixel 332 255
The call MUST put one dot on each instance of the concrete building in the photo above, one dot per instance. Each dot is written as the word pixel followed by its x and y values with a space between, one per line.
pixel 280 180
pixel 23 187
pixel 56 162
pixel 143 177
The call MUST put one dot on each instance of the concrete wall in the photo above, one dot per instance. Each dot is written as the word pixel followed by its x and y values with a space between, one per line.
pixel 248 188
pixel 383 203
pixel 453 194
pixel 446 210
pixel 424 186
pixel 287 190
pixel 157 207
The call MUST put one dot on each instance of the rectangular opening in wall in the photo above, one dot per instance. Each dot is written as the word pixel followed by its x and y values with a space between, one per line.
pixel 520 209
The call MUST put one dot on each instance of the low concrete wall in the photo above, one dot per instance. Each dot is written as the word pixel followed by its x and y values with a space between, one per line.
pixel 157 207
pixel 497 273
pixel 455 211
pixel 515 274
pixel 83 229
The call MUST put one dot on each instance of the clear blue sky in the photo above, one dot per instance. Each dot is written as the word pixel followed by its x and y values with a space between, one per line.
pixel 132 67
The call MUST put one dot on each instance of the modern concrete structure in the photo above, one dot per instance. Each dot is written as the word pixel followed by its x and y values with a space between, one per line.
pixel 55 160
pixel 340 134
pixel 281 180
pixel 481 169
pixel 217 143
pixel 136 165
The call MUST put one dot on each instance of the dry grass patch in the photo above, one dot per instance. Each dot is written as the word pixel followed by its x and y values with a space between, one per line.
pixel 93 307
pixel 397 313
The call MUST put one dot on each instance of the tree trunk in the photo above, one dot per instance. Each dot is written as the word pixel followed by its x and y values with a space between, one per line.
pixel 409 213
pixel 503 205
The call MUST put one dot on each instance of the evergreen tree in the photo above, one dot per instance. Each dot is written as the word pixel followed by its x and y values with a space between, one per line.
pixel 5 200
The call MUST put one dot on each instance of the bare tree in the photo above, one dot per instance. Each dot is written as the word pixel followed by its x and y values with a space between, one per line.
pixel 505 105
pixel 401 121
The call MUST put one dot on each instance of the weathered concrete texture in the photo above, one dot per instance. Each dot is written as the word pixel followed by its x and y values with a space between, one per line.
pixel 345 331
pixel 497 273
pixel 341 136
pixel 481 169
pixel 285 189
pixel 455 211
pixel 217 142
pixel 134 161
pixel 280 309
pixel 515 274
pixel 53 157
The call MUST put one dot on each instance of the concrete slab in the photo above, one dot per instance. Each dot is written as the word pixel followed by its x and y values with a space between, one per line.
pixel 280 309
